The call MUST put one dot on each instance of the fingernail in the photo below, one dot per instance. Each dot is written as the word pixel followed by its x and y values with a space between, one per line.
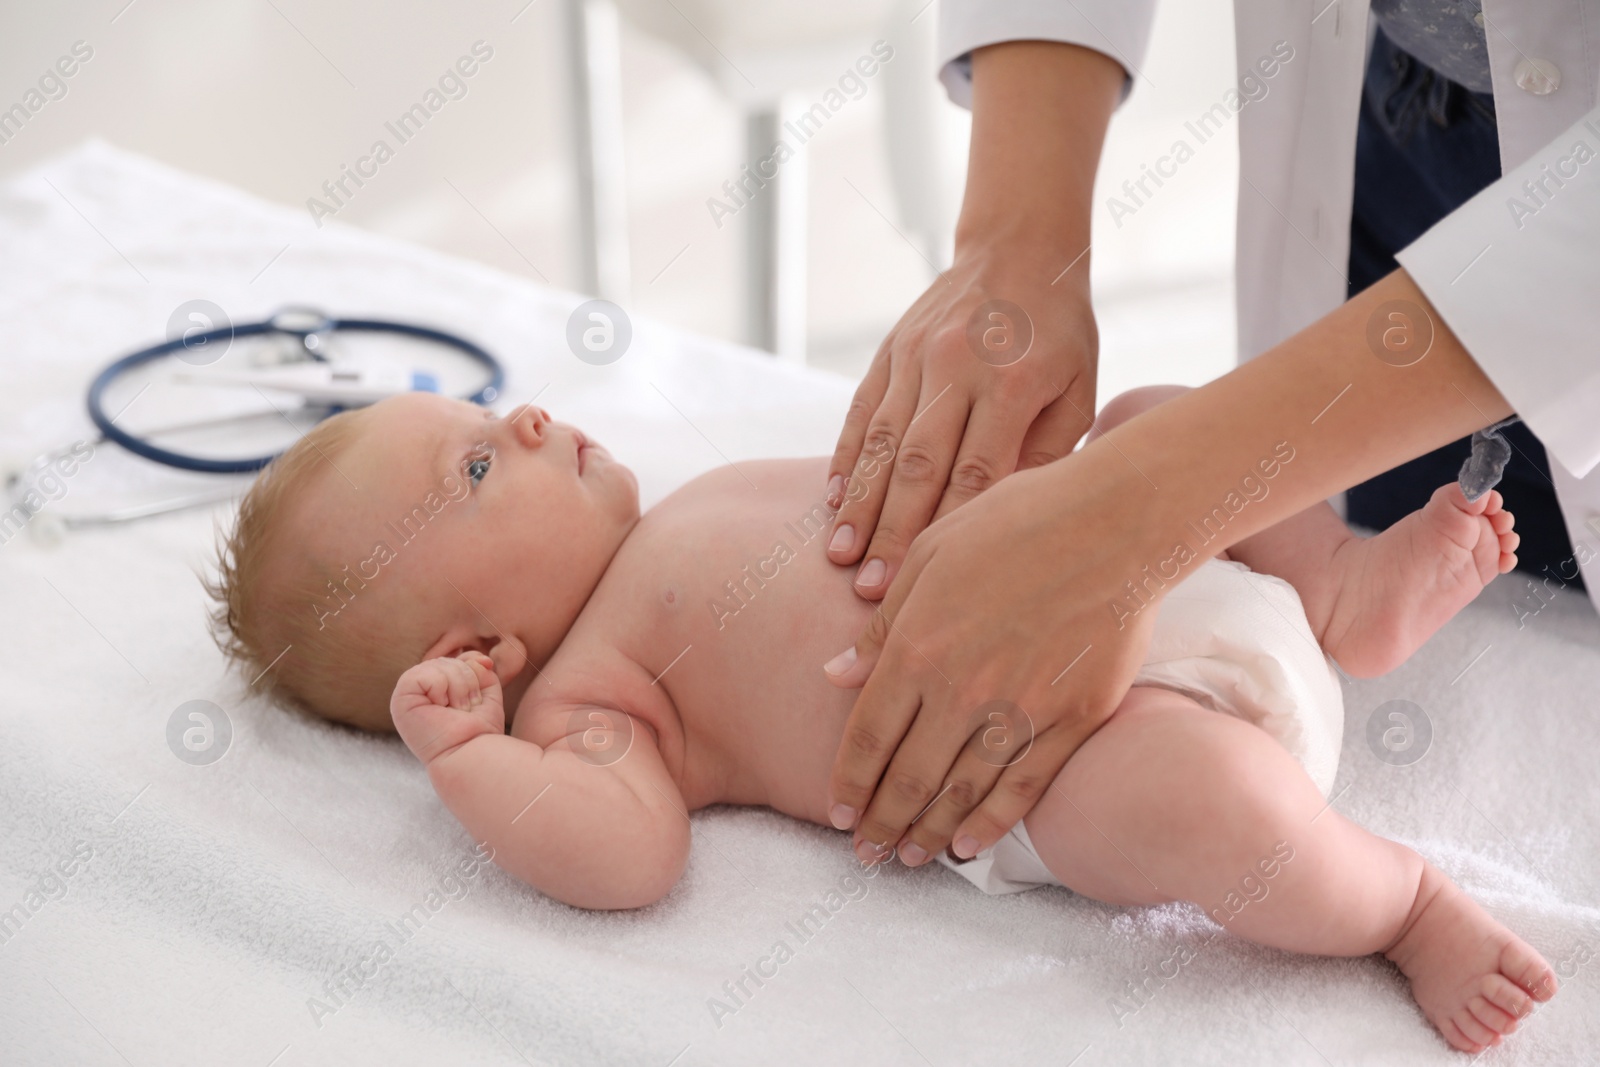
pixel 966 846
pixel 843 538
pixel 841 663
pixel 843 816
pixel 912 854
pixel 871 573
pixel 835 490
pixel 870 852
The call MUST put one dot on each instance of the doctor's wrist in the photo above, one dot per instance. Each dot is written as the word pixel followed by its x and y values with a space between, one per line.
pixel 1103 506
pixel 1039 115
pixel 1027 250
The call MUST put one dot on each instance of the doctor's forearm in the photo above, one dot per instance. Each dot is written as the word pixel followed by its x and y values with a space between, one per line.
pixel 1324 397
pixel 1039 115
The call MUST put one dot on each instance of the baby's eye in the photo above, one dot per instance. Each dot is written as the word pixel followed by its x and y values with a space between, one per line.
pixel 477 467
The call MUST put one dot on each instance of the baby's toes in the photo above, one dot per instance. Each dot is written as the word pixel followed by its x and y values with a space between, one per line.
pixel 1509 552
pixel 1458 1039
pixel 1488 558
pixel 1502 521
pixel 1491 1015
pixel 1522 965
pixel 1450 506
pixel 1473 1030
pixel 1450 495
pixel 1508 997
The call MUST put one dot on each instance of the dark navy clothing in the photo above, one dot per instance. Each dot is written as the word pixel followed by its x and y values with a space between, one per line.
pixel 1426 145
pixel 1447 35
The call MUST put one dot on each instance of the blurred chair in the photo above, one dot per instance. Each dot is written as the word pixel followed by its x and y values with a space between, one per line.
pixel 769 57
pixel 595 90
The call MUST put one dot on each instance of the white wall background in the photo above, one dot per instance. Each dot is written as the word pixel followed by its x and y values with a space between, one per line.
pixel 274 95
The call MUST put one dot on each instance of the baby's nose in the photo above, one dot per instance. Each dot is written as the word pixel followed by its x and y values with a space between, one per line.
pixel 529 422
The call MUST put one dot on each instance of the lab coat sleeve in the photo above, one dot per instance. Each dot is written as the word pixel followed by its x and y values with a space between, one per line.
pixel 1118 28
pixel 1515 273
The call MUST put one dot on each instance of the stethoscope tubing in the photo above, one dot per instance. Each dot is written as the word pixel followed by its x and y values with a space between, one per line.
pixel 182 461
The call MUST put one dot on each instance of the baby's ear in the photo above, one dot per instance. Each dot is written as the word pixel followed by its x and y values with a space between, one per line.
pixel 509 657
pixel 451 645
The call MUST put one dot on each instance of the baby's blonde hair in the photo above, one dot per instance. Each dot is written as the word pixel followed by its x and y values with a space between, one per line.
pixel 343 669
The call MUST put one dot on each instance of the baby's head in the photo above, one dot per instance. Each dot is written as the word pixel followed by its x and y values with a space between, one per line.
pixel 415 528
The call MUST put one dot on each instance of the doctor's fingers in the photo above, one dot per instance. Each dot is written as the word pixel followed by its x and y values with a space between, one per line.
pixel 887 704
pixel 914 485
pixel 988 452
pixel 916 777
pixel 864 485
pixel 853 668
pixel 1057 429
pixel 863 406
pixel 1021 785
pixel 968 782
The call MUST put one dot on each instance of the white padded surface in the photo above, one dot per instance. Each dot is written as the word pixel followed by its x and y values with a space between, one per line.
pixel 218 900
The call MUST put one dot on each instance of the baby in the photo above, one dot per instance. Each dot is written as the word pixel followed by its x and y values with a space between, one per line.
pixel 577 679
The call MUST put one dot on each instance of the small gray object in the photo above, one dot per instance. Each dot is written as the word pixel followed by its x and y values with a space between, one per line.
pixel 599 332
pixel 199 732
pixel 194 321
pixel 1399 732
pixel 1001 733
pixel 1481 471
pixel 599 736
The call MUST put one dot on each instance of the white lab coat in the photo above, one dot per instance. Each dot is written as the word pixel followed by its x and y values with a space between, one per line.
pixel 1515 273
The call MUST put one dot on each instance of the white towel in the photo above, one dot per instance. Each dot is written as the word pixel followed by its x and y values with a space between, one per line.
pixel 222 899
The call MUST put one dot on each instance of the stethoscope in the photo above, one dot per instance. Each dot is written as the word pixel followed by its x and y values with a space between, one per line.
pixel 308 373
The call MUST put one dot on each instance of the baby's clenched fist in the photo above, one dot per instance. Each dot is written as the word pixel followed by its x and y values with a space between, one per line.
pixel 443 703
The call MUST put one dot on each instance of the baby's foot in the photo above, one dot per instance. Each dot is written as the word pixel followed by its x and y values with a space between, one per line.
pixel 1398 588
pixel 1473 978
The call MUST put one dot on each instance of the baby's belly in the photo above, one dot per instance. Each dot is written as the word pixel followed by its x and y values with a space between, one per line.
pixel 782 742
pixel 758 704
pixel 774 722
pixel 758 609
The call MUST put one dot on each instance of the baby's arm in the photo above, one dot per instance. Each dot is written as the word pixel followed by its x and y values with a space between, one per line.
pixel 593 835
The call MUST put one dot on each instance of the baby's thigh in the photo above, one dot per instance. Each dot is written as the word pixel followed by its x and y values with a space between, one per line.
pixel 1164 787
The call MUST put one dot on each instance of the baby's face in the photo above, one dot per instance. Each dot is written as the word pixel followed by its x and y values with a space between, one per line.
pixel 496 527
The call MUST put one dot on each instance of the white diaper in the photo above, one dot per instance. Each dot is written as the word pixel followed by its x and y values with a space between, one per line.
pixel 1239 643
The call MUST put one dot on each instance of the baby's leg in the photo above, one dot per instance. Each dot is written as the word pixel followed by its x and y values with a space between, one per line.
pixel 1314 534
pixel 1373 601
pixel 1169 801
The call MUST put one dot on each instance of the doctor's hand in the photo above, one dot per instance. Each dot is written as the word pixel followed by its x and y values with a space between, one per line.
pixel 1015 626
pixel 991 371
pixel 993 657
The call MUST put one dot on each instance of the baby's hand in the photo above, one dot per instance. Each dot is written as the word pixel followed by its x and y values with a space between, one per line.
pixel 443 703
